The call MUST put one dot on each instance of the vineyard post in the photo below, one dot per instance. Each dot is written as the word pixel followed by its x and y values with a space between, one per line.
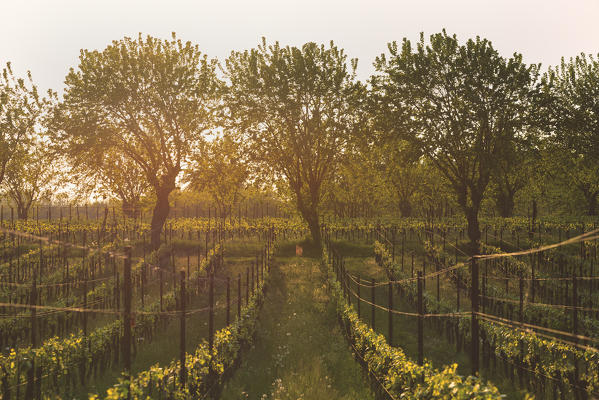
pixel 484 288
pixel 373 299
pixel 521 303
pixel 358 299
pixel 211 313
pixel 393 244
pixel 34 343
pixel 117 288
pixel 457 284
pixel 127 313
pixel 474 301
pixel 173 266
pixel 182 298
pixel 575 325
pixel 390 314
pixel 420 321
pixel 239 296
pixel 228 300
pixel 143 284
pixel 574 304
pixel 403 244
pixel 532 282
pixel 252 281
pixel 247 285
pixel 85 305
pixel 424 271
pixel 161 288
pixel 438 284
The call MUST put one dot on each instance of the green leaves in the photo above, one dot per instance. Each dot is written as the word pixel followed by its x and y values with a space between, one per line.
pixel 295 107
pixel 402 377
pixel 21 109
pixel 149 100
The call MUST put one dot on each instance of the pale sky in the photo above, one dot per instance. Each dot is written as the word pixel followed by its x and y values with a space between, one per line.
pixel 45 36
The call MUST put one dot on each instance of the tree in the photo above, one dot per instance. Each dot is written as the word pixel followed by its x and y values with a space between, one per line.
pixel 221 171
pixel 295 107
pixel 572 170
pixel 573 122
pixel 460 105
pixel 21 107
pixel 149 101
pixel 31 175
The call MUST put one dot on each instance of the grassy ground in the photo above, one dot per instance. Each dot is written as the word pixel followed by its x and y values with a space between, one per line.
pixel 299 351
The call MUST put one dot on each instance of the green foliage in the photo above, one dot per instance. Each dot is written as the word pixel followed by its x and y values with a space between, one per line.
pixel 402 377
pixel 222 171
pixel 295 106
pixel 21 109
pixel 460 104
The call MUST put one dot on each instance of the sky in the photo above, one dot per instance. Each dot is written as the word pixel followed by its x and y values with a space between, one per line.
pixel 45 36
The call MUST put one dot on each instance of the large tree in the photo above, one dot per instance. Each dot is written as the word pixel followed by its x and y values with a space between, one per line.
pixel 149 100
pixel 21 107
pixel 32 174
pixel 295 108
pixel 461 104
pixel 573 123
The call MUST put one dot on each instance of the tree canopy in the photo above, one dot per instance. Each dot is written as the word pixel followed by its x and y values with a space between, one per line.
pixel 149 100
pixel 295 107
pixel 460 104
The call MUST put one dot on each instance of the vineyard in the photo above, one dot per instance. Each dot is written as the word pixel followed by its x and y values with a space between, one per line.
pixel 87 307
pixel 272 224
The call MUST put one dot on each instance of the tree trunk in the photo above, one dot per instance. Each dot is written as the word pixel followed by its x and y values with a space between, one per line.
pixel 22 211
pixel 505 203
pixel 311 217
pixel 314 226
pixel 592 204
pixel 473 229
pixel 160 213
pixel 405 207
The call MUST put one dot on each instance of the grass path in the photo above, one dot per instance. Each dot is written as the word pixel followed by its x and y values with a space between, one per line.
pixel 299 351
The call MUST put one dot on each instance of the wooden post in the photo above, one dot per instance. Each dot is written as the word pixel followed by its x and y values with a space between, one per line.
pixel 239 295
pixel 474 301
pixel 574 304
pixel 127 313
pixel 143 284
pixel 182 298
pixel 211 314
pixel 247 286
pixel 161 289
pixel 228 301
pixel 420 322
pixel 85 305
pixel 358 299
pixel 521 303
pixel 390 314
pixel 373 300
pixel 252 284
pixel 30 388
